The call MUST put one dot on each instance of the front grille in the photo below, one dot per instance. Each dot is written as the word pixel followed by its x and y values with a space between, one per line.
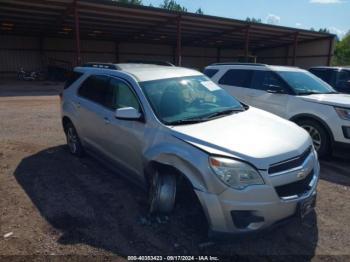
pixel 296 188
pixel 290 163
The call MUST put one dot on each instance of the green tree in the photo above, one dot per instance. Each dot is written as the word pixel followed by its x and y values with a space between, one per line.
pixel 253 20
pixel 342 52
pixel 173 5
pixel 200 11
pixel 323 30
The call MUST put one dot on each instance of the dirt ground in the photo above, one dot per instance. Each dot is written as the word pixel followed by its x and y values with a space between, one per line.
pixel 56 204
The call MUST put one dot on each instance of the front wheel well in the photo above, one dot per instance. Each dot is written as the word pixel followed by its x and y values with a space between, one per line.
pixel 65 121
pixel 299 118
pixel 186 196
pixel 160 167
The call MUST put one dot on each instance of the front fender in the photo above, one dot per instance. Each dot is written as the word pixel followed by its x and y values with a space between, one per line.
pixel 188 160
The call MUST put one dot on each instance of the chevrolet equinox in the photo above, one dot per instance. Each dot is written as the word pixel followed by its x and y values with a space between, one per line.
pixel 249 168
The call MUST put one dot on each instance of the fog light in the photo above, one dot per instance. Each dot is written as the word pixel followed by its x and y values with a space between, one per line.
pixel 346 131
pixel 242 219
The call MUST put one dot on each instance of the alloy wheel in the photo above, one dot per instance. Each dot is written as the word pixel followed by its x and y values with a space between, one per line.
pixel 72 140
pixel 315 136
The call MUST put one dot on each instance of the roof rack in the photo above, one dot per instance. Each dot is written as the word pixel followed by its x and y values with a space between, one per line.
pixel 330 67
pixel 101 65
pixel 112 66
pixel 236 63
pixel 161 63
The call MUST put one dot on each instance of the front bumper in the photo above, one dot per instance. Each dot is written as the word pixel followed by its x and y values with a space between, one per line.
pixel 255 208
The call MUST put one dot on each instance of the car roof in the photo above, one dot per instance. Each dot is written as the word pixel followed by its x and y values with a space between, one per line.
pixel 331 67
pixel 145 72
pixel 253 66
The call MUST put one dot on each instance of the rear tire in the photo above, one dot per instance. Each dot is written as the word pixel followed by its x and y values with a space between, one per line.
pixel 319 136
pixel 73 140
pixel 162 192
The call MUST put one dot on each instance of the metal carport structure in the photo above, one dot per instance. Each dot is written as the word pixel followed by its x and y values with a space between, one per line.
pixel 53 27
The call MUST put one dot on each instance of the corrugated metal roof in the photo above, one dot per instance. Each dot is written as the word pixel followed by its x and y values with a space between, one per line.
pixel 107 20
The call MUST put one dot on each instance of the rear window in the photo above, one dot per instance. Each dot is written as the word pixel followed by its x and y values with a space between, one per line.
pixel 95 88
pixel 210 72
pixel 237 77
pixel 71 78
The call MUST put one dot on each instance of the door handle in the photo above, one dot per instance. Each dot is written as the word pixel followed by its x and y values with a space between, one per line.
pixel 106 120
pixel 78 104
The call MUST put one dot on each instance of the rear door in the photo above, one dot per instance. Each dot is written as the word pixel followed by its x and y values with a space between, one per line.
pixel 269 92
pixel 237 83
pixel 91 110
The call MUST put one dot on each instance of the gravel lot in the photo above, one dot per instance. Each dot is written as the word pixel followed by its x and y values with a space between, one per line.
pixel 56 204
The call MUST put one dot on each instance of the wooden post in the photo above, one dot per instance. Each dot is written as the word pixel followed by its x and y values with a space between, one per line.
pixel 330 51
pixel 41 51
pixel 174 54
pixel 117 52
pixel 295 46
pixel 77 32
pixel 218 55
pixel 246 46
pixel 179 42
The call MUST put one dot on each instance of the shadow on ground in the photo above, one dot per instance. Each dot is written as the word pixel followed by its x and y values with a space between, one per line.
pixel 336 169
pixel 86 203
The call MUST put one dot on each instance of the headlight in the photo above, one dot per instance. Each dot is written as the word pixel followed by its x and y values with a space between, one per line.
pixel 235 174
pixel 343 113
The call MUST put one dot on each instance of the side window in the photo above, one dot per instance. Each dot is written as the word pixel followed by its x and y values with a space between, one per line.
pixel 237 77
pixel 343 80
pixel 268 81
pixel 71 78
pixel 210 72
pixel 95 88
pixel 120 95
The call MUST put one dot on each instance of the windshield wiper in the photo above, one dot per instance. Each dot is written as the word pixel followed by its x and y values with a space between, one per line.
pixel 224 112
pixel 186 121
pixel 308 93
pixel 205 118
pixel 316 93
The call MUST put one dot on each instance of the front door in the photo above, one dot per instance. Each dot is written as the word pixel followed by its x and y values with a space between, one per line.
pixel 124 141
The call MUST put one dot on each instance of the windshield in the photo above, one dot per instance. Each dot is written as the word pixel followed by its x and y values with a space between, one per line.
pixel 305 83
pixel 194 98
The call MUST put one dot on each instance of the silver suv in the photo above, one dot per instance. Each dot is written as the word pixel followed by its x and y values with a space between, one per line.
pixel 248 168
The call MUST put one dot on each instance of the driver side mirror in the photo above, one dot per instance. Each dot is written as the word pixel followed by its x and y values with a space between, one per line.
pixel 275 89
pixel 281 91
pixel 128 113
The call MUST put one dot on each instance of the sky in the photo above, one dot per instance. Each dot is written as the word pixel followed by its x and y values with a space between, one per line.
pixel 331 14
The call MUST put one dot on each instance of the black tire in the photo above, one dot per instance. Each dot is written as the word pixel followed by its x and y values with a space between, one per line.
pixel 73 140
pixel 319 135
pixel 162 192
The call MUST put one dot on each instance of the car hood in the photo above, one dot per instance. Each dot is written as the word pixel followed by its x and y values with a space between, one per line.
pixel 256 136
pixel 342 100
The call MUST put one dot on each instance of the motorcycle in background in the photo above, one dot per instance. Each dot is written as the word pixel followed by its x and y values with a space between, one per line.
pixel 30 76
